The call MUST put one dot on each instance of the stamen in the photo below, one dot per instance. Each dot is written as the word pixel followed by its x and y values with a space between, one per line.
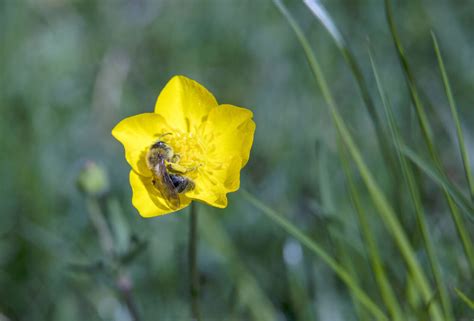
pixel 189 150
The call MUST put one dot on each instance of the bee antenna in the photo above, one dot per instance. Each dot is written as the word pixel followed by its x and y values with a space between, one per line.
pixel 163 135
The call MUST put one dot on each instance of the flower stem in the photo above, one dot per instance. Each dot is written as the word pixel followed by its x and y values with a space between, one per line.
pixel 98 221
pixel 192 261
pixel 124 285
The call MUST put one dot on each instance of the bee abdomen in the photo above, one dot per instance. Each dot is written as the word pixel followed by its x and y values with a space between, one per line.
pixel 181 184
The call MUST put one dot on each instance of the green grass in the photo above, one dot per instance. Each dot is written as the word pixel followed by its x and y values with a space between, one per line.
pixel 455 115
pixel 359 294
pixel 428 135
pixel 380 201
pixel 356 203
pixel 416 199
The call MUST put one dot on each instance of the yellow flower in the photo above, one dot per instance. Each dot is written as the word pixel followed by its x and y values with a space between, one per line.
pixel 211 144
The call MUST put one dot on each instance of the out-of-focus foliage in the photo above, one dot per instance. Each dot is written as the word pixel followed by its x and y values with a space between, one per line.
pixel 70 70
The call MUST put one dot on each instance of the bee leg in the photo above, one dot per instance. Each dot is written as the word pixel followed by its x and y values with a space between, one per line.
pixel 180 169
pixel 176 158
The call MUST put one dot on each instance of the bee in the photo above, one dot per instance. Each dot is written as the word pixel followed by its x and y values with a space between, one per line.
pixel 169 183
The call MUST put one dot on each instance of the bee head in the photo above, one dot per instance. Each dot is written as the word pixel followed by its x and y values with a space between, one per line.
pixel 161 150
pixel 159 145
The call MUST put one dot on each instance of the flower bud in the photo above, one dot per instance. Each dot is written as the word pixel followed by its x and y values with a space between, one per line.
pixel 92 179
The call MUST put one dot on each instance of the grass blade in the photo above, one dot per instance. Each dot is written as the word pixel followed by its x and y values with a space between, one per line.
pixel 415 197
pixel 455 195
pixel 336 235
pixel 465 298
pixel 326 20
pixel 300 297
pixel 427 136
pixel 385 288
pixel 384 209
pixel 454 113
pixel 422 118
pixel 439 179
pixel 249 292
pixel 363 298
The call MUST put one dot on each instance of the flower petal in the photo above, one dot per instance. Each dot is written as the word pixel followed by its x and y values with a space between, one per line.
pixel 212 185
pixel 184 103
pixel 137 133
pixel 148 200
pixel 231 130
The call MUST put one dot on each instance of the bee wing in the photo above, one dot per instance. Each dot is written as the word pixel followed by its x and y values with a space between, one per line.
pixel 165 185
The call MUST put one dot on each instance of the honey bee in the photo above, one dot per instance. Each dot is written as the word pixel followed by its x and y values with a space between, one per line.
pixel 159 158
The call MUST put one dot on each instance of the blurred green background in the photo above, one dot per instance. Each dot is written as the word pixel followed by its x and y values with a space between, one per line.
pixel 70 70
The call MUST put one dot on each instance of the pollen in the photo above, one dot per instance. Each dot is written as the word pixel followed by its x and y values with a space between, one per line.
pixel 190 152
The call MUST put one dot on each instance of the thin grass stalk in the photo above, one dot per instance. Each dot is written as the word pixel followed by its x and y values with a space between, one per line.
pixel 345 276
pixel 469 302
pixel 463 234
pixel 327 202
pixel 415 197
pixel 345 260
pixel 379 199
pixel 384 286
pixel 427 136
pixel 326 20
pixel 301 302
pixel 454 114
pixel 420 112
pixel 440 180
pixel 249 295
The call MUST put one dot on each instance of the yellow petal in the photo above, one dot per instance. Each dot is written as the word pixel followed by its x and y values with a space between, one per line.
pixel 184 103
pixel 148 200
pixel 214 182
pixel 230 130
pixel 137 133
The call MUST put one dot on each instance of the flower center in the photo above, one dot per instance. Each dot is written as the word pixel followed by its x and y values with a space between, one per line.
pixel 189 152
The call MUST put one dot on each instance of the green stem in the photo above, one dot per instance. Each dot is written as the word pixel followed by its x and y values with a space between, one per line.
pixel 123 284
pixel 193 270
pixel 100 225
